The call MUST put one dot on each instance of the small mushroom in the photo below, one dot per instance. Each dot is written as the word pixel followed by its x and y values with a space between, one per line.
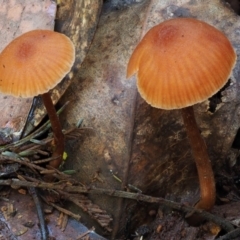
pixel 179 63
pixel 34 63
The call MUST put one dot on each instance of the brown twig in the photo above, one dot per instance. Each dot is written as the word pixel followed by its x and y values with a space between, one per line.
pixel 63 210
pixel 62 221
pixel 86 233
pixel 235 234
pixel 224 224
pixel 41 161
pixel 21 161
pixel 38 204
pixel 40 213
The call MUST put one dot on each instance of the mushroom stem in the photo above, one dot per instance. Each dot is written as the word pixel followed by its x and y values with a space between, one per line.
pixel 57 130
pixel 204 168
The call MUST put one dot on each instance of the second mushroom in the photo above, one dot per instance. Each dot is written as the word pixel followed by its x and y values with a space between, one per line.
pixel 179 63
pixel 31 65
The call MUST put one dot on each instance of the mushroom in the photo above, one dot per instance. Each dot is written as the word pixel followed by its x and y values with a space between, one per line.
pixel 179 63
pixel 34 63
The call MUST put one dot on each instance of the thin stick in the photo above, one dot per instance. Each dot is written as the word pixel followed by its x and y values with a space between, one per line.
pixel 63 210
pixel 225 225
pixel 40 213
pixel 231 235
pixel 22 162
pixel 86 233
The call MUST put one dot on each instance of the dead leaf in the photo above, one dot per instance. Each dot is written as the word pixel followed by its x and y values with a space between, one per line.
pixel 17 17
pixel 143 146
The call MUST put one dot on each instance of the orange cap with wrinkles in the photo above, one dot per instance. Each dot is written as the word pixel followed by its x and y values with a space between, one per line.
pixel 35 62
pixel 181 62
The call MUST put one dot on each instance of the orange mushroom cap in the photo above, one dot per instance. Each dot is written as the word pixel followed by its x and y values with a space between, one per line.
pixel 181 62
pixel 35 62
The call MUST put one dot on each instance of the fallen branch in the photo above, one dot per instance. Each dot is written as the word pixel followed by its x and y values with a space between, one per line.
pixel 224 224
pixel 25 162
pixel 40 213
pixel 231 235
pixel 63 210
pixel 86 233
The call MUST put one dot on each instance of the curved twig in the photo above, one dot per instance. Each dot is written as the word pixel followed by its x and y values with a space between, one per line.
pixel 224 224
